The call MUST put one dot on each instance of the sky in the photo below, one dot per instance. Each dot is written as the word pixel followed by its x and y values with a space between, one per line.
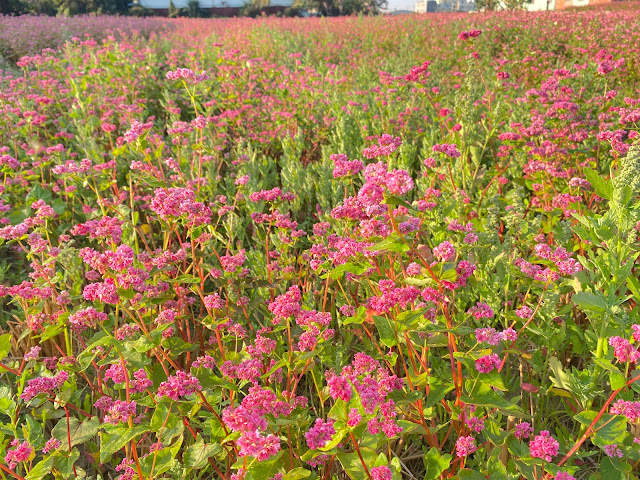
pixel 401 4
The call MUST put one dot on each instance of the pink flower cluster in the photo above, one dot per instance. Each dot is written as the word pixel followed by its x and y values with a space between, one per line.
pixel 320 434
pixel 466 35
pixel 186 74
pixel 418 73
pixel 345 167
pixel 179 385
pixel 20 453
pixel 629 409
pixel 174 202
pixel 623 350
pixel 487 363
pixel 491 336
pixel 273 195
pixel 387 144
pixel 47 385
pixel 544 446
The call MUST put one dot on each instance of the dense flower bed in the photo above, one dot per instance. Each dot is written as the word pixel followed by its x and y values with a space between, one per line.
pixel 375 248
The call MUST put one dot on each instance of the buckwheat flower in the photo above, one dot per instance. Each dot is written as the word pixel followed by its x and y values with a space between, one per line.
pixel 523 430
pixel 35 386
pixel 179 385
pixel 320 434
pixel 475 424
pixel 399 182
pixel 470 238
pixel 465 446
pixel 613 451
pixel 466 35
pixel 252 443
pixel 86 318
pixel 544 446
pixel 381 473
pixel 631 410
pixel 137 130
pixel 564 476
pixel 448 149
pixel 243 180
pixel 141 381
pixel 348 310
pixel 116 373
pixel 21 453
pixel 489 335
pixel 354 418
pixel 623 350
pixel 510 334
pixel 213 302
pixel 345 167
pixel 230 263
pixel 445 252
pixel 524 312
pixel 32 354
pixel 52 444
pixel 339 388
pixel 120 411
pixel 635 329
pixel 487 363
pixel 481 310
pixel 286 305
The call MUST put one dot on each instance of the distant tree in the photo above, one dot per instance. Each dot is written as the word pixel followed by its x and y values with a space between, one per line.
pixel 193 9
pixel 493 5
pixel 173 11
pixel 332 8
pixel 11 6
pixel 254 8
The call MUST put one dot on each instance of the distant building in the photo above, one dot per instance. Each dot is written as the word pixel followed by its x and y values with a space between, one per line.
pixel 429 6
pixel 426 6
pixel 423 6
pixel 222 8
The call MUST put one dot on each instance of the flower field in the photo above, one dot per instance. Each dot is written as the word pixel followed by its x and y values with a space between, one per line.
pixel 369 248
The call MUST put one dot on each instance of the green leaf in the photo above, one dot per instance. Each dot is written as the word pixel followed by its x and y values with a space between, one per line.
pixel 265 469
pixel 590 302
pixel 435 463
pixel 608 429
pixel 117 438
pixel 297 474
pixel 497 470
pixel 437 391
pixel 467 474
pixel 166 425
pixel 79 432
pixel 392 244
pixel 609 471
pixel 41 469
pixel 493 400
pixel 5 345
pixel 351 267
pixel 64 462
pixel 386 330
pixel 602 187
pixel 352 464
pixel 196 455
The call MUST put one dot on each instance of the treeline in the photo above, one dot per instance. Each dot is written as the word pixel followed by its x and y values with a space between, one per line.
pixel 127 7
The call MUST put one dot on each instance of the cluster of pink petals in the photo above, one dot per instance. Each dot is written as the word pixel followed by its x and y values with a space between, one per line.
pixel 466 35
pixel 20 453
pixel 47 385
pixel 179 385
pixel 186 74
pixel 544 446
pixel 387 144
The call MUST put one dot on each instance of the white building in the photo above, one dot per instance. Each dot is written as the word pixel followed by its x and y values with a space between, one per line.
pixel 212 5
